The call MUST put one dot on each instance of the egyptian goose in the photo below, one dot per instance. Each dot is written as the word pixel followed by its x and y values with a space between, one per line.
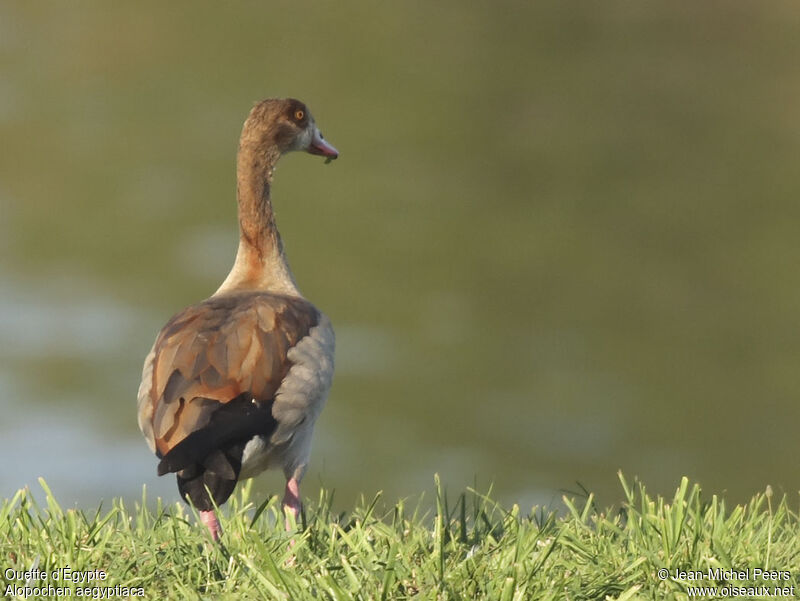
pixel 234 384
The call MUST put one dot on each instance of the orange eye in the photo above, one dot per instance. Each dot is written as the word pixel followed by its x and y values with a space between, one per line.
pixel 299 115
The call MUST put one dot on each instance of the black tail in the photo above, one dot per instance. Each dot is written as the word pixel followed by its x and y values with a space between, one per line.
pixel 198 480
pixel 211 457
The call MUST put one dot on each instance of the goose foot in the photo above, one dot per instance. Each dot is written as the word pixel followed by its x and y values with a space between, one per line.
pixel 291 502
pixel 209 518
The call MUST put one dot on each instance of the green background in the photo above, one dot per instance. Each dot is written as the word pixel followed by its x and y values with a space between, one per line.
pixel 561 238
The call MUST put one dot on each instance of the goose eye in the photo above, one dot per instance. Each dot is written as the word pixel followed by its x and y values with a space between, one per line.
pixel 299 114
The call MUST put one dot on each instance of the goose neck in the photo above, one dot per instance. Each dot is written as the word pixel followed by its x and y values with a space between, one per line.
pixel 260 260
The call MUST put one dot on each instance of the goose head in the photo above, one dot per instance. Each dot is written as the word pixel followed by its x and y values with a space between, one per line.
pixel 281 125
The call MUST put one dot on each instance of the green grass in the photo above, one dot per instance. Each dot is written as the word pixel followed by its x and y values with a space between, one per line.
pixel 465 547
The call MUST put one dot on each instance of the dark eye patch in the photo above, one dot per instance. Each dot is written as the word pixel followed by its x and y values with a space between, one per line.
pixel 298 113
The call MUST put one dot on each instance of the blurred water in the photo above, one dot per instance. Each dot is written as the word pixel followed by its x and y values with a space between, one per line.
pixel 62 435
pixel 559 242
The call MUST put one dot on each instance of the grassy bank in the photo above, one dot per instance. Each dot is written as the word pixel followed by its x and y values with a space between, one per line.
pixel 468 547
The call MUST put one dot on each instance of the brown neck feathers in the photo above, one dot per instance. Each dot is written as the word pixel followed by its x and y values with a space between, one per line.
pixel 257 230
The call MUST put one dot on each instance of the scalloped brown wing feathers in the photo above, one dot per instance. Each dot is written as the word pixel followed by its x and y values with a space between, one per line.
pixel 214 351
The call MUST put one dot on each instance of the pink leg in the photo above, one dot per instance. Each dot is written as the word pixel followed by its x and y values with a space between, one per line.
pixel 291 501
pixel 209 518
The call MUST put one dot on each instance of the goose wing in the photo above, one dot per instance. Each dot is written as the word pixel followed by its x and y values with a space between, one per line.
pixel 227 348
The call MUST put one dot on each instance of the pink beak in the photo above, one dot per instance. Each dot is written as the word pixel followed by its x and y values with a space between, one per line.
pixel 321 147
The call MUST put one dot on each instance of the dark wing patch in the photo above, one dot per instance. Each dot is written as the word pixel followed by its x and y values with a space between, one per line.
pixel 238 420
